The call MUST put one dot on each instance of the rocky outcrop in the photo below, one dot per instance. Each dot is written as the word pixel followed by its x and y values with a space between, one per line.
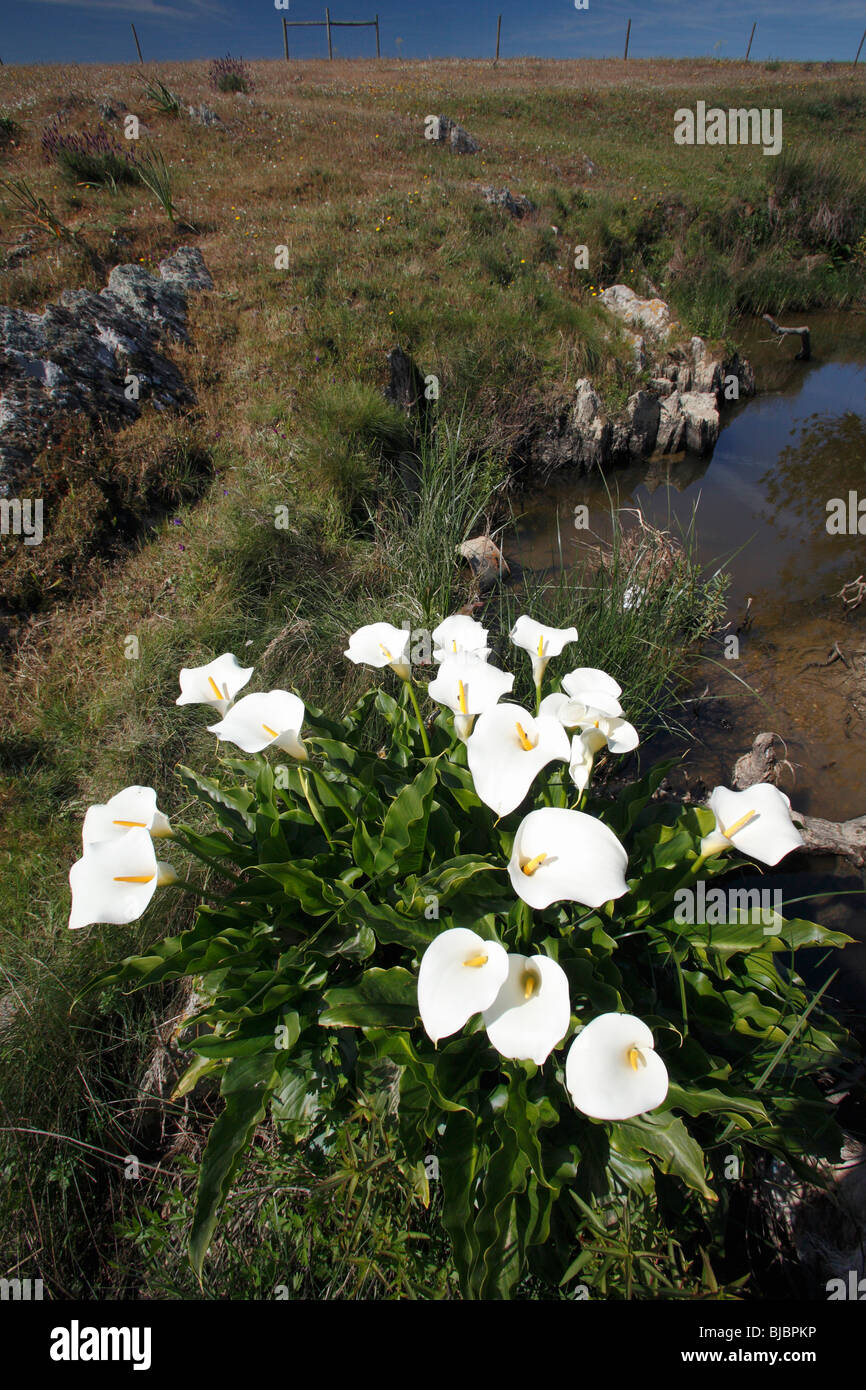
pixel 460 140
pixel 204 115
pixel 679 407
pixel 652 316
pixel 99 355
pixel 515 204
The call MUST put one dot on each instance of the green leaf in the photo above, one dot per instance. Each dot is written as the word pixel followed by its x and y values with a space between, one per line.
pixel 299 881
pixel 701 1102
pixel 458 1157
pixel 404 832
pixel 230 1136
pixel 231 804
pixel 665 1138
pixel 380 999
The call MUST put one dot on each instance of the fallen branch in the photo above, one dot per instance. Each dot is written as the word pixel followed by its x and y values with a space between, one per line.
pixel 805 352
pixel 858 592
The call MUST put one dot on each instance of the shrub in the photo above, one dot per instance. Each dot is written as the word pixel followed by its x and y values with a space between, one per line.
pixel 93 157
pixel 350 868
pixel 230 74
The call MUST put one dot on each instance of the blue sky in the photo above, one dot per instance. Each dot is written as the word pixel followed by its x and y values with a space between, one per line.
pixel 34 31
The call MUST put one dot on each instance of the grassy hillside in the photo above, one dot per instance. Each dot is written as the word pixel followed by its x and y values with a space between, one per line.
pixel 166 531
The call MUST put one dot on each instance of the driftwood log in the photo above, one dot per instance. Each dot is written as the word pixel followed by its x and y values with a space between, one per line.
pixel 763 764
pixel 805 352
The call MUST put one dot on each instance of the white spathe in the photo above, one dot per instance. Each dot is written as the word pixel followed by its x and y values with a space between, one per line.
pixel 566 856
pixel 532 1010
pixel 457 634
pixel 507 750
pixel 272 718
pixel 597 691
pixel 540 642
pixel 615 734
pixel 468 686
pixel 612 1070
pixel 115 880
pixel 134 808
pixel 215 684
pixel 757 822
pixel 460 975
pixel 381 644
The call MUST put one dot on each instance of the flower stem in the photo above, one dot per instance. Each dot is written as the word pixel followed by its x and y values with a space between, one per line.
pixel 413 698
pixel 524 925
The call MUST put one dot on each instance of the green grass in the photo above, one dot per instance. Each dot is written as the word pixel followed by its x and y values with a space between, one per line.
pixel 167 532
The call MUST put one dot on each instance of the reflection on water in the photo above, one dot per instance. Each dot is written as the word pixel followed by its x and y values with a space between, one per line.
pixel 762 504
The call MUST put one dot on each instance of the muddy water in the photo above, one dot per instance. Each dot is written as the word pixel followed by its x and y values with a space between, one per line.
pixel 760 504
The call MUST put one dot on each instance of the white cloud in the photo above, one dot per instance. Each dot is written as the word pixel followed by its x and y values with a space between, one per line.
pixel 181 11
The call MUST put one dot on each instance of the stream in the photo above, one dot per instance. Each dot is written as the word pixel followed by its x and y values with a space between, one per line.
pixel 760 508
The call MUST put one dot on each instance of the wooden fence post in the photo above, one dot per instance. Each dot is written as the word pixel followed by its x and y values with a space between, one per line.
pixel 378 51
pixel 137 44
pixel 328 27
pixel 751 36
pixel 285 38
pixel 498 32
pixel 861 45
pixel 627 34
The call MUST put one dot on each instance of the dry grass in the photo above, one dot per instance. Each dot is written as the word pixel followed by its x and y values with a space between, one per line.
pixel 388 243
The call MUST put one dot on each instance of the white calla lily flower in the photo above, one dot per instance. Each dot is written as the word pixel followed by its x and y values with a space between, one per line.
pixel 115 880
pixel 381 644
pixel 460 975
pixel 532 1010
pixel 583 750
pixel 541 643
pixel 271 718
pixel 215 684
pixel 597 691
pixel 458 634
pixel 756 821
pixel 617 735
pixel 468 686
pixel 560 706
pixel 507 750
pixel 133 808
pixel 613 1071
pixel 566 856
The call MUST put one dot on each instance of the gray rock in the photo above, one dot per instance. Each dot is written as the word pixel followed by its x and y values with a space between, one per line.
pixel 683 377
pixel 652 316
pixel 661 385
pixel 672 426
pixel 642 421
pixel 516 205
pixel 203 115
pixel 589 428
pixel 75 357
pixel 702 420
pixel 110 109
pixel 460 140
pixel 186 270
